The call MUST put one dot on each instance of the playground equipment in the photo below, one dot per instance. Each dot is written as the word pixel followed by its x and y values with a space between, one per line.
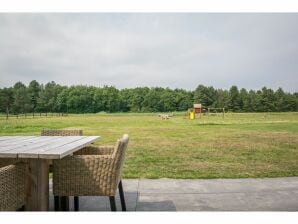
pixel 197 111
pixel 192 112
pixel 197 108
pixel 192 115
pixel 213 111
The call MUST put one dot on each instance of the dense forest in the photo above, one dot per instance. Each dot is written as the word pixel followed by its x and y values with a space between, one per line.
pixel 52 97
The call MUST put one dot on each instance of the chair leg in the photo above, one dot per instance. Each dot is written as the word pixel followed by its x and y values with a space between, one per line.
pixel 121 192
pixel 64 203
pixel 76 203
pixel 57 203
pixel 113 203
pixel 21 208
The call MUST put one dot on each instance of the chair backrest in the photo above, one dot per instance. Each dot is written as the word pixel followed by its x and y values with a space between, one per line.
pixel 8 161
pixel 119 152
pixel 55 132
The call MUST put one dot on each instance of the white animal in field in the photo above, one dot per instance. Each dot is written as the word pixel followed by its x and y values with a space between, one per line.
pixel 164 116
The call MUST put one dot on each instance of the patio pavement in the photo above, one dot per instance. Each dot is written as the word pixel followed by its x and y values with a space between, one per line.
pixel 268 194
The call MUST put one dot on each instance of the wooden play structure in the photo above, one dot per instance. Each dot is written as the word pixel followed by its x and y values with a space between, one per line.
pixel 194 112
pixel 198 110
pixel 213 111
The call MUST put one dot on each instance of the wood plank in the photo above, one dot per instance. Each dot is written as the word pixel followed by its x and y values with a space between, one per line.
pixel 14 142
pixel 34 152
pixel 27 143
pixel 4 137
pixel 8 138
pixel 38 142
pixel 63 151
pixel 37 198
pixel 9 155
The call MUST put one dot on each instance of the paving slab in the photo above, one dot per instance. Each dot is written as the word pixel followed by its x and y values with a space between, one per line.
pixel 217 185
pixel 279 201
pixel 264 194
pixel 102 203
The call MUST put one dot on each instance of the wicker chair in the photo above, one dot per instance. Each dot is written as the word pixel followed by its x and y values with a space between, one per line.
pixel 12 186
pixel 8 161
pixel 92 171
pixel 55 132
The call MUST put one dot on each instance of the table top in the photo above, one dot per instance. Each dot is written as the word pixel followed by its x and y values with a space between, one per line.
pixel 43 147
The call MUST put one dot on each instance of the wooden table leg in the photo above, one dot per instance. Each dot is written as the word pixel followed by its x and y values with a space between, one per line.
pixel 38 185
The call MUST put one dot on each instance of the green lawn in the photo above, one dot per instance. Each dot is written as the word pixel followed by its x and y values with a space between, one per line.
pixel 240 145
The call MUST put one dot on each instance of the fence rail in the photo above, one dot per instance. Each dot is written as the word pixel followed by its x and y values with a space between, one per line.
pixel 32 115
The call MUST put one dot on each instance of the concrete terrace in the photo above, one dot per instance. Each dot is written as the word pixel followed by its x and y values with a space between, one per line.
pixel 267 194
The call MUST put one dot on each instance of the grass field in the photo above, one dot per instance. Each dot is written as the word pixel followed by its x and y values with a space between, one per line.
pixel 238 146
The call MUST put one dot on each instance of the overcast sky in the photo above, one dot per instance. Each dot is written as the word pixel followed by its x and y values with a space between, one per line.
pixel 173 50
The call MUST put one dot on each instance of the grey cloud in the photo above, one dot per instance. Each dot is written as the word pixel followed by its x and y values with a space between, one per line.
pixel 136 49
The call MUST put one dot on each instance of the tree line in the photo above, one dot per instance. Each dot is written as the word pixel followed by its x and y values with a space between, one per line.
pixel 52 97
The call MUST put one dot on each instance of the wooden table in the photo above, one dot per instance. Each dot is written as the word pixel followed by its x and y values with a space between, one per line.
pixel 39 150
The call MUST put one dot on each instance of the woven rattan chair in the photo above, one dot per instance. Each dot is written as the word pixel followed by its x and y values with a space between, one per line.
pixel 8 161
pixel 92 171
pixel 55 132
pixel 12 186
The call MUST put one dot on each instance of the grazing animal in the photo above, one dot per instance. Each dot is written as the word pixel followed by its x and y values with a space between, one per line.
pixel 164 116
